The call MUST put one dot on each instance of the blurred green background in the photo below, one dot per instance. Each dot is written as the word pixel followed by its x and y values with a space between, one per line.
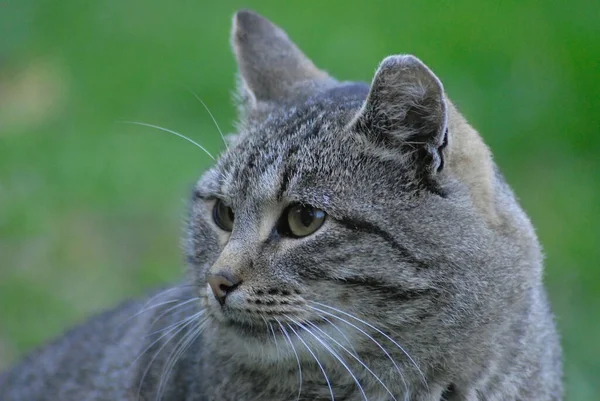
pixel 91 210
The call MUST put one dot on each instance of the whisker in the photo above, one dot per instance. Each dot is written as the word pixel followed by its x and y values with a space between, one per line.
pixel 275 339
pixel 171 328
pixel 355 357
pixel 146 307
pixel 178 351
pixel 164 292
pixel 334 354
pixel 270 327
pixel 197 314
pixel 380 332
pixel 316 360
pixel 212 117
pixel 170 360
pixel 341 333
pixel 171 132
pixel 285 333
pixel 179 305
pixel 177 330
pixel 387 354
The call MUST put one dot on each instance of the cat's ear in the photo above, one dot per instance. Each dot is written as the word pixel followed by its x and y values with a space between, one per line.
pixel 406 108
pixel 272 68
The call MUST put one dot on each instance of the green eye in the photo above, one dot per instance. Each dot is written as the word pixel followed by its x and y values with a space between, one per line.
pixel 223 215
pixel 300 221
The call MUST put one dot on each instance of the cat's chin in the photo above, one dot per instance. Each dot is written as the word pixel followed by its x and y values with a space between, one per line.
pixel 247 330
pixel 265 333
pixel 258 329
pixel 239 326
pixel 255 342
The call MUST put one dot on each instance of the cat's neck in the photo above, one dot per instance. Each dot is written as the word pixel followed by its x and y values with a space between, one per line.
pixel 228 366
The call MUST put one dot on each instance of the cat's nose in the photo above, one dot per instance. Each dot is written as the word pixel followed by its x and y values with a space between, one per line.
pixel 222 284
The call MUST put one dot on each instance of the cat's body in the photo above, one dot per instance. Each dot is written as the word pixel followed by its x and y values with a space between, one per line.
pixel 361 245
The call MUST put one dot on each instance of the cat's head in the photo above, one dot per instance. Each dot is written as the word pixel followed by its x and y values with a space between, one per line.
pixel 342 207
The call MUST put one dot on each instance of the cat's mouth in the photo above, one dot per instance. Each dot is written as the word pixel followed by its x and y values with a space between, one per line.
pixel 269 331
pixel 264 325
pixel 247 328
pixel 262 316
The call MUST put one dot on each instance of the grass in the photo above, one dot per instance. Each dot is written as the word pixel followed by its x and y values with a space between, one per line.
pixel 90 209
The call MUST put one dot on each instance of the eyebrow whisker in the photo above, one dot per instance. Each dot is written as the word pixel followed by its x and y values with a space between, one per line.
pixel 171 132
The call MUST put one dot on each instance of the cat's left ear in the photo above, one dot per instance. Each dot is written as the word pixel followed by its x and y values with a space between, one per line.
pixel 406 109
pixel 272 68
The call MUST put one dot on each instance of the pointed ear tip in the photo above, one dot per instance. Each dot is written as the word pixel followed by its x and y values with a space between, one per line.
pixel 401 60
pixel 243 15
pixel 246 19
pixel 406 63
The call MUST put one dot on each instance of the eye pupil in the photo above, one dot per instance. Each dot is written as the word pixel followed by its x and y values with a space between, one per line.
pixel 307 216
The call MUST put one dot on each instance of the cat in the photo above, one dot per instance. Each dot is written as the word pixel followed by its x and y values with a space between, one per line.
pixel 354 242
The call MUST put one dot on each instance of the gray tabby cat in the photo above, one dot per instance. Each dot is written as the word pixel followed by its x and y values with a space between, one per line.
pixel 355 242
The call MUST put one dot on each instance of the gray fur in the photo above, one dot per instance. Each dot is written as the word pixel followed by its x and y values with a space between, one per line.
pixel 423 241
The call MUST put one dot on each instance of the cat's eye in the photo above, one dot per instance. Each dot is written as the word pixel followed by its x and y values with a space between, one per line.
pixel 301 220
pixel 223 215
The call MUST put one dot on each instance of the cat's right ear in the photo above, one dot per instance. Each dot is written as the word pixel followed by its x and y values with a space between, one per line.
pixel 271 67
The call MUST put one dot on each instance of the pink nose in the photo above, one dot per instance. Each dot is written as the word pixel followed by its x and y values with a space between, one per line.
pixel 222 285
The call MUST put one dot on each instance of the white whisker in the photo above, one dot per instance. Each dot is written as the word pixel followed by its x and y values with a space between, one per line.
pixel 387 354
pixel 212 117
pixel 316 360
pixel 171 360
pixel 146 309
pixel 178 351
pixel 341 333
pixel 146 306
pixel 174 331
pixel 270 329
pixel 334 354
pixel 355 357
pixel 285 333
pixel 171 132
pixel 179 305
pixel 380 332
pixel 173 327
pixel 197 314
